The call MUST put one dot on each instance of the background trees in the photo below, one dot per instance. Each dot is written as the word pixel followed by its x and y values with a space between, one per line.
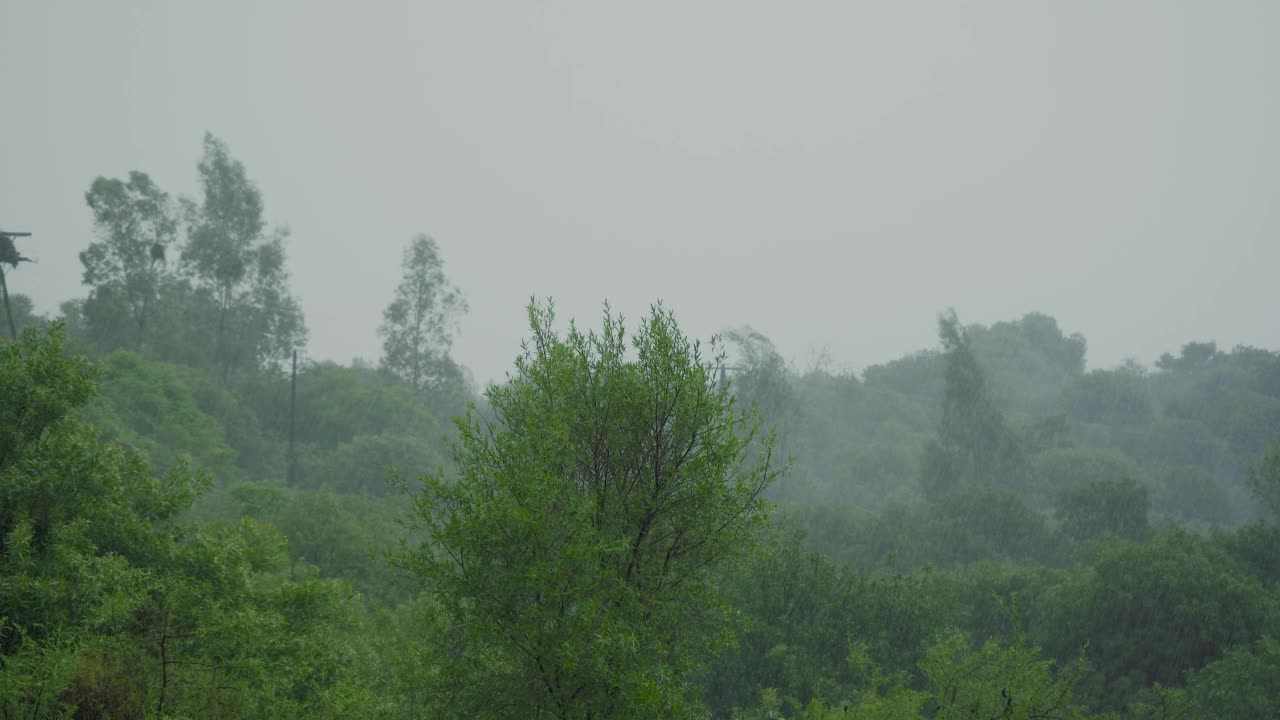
pixel 579 559
pixel 1264 478
pixel 572 560
pixel 974 443
pixel 418 326
pixel 229 254
pixel 225 304
pixel 112 604
pixel 265 599
pixel 136 223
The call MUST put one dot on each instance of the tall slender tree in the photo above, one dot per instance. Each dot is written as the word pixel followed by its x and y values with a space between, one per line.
pixel 230 253
pixel 418 326
pixel 975 445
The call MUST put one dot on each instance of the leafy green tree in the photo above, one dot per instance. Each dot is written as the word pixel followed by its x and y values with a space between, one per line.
pixel 1149 612
pixel 799 613
pixel 125 267
pixel 961 682
pixel 24 314
pixel 78 524
pixel 761 376
pixel 994 681
pixel 573 559
pixel 363 466
pixel 151 407
pixel 1028 361
pixel 418 326
pixel 975 445
pixel 1254 546
pixel 979 523
pixel 229 253
pixel 1192 493
pixel 1116 507
pixel 1062 469
pixel 1264 478
pixel 1110 397
pixel 337 404
pixel 1194 355
pixel 1243 683
pixel 352 424
pixel 112 606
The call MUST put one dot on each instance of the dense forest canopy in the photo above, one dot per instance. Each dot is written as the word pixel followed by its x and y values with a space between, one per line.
pixel 632 524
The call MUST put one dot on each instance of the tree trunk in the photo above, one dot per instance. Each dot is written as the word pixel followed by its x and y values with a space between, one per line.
pixel 220 351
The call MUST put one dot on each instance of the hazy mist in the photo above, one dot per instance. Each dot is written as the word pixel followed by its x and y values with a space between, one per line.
pixel 829 173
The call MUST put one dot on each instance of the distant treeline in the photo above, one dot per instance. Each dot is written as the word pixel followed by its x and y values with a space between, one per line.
pixel 981 530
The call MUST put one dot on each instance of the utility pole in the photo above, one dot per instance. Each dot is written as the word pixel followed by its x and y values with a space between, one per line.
pixel 9 254
pixel 4 287
pixel 293 401
pixel 724 379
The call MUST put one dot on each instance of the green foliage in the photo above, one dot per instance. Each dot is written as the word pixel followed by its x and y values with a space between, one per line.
pixel 418 326
pixel 1029 361
pixel 1064 469
pixel 960 682
pixel 1243 683
pixel 1264 478
pixel 229 255
pixel 798 614
pixel 884 471
pixel 1254 546
pixel 40 387
pixel 337 404
pixel 353 426
pixel 151 407
pixel 1116 507
pixel 573 558
pixel 125 267
pixel 1194 355
pixel 1192 493
pixel 1110 397
pixel 918 375
pixel 225 305
pixel 24 314
pixel 111 605
pixel 365 465
pixel 974 446
pixel 761 377
pixel 996 682
pixel 576 566
pixel 345 537
pixel 969 526
pixel 1149 612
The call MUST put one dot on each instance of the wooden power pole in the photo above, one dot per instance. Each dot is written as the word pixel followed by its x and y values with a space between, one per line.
pixel 293 401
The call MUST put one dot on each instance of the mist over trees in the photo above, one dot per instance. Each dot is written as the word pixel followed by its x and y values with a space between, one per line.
pixel 632 524
pixel 222 300
pixel 418 326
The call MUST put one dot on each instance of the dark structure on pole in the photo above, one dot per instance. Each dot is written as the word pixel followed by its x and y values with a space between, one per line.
pixel 9 254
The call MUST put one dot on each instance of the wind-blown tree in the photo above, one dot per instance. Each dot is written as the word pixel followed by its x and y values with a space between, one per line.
pixel 573 561
pixel 135 222
pixel 975 445
pixel 418 326
pixel 230 254
pixel 1264 478
pixel 761 376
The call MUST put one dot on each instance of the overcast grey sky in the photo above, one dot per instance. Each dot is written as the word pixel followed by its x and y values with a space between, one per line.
pixel 829 173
